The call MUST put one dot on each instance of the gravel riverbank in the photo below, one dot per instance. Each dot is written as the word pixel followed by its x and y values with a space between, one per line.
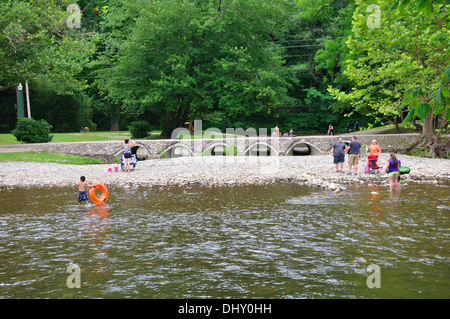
pixel 317 171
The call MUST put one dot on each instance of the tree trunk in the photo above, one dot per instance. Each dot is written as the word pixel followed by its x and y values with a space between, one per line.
pixel 397 129
pixel 438 146
pixel 114 126
pixel 114 115
pixel 428 129
pixel 174 119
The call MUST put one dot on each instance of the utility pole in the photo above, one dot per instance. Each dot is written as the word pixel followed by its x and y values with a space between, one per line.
pixel 28 100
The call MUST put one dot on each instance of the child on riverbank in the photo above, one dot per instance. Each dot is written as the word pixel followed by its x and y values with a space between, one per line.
pixel 82 185
pixel 127 144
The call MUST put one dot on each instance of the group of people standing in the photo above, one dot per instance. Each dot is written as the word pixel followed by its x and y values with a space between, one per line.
pixel 339 149
pixel 276 132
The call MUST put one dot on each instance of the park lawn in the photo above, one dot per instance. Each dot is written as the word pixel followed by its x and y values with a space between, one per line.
pixel 46 157
pixel 81 137
pixel 8 138
pixel 90 136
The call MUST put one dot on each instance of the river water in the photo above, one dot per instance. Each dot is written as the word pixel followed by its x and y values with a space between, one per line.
pixel 277 241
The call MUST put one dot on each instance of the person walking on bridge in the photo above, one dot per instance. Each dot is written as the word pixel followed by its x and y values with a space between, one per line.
pixel 330 129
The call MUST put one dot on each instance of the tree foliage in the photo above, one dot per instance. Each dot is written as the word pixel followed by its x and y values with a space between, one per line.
pixel 188 58
pixel 408 52
pixel 299 64
pixel 319 51
pixel 35 40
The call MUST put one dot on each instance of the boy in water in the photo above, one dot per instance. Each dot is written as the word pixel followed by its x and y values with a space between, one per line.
pixel 82 197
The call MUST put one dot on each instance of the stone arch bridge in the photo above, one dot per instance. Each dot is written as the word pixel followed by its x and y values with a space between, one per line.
pixel 108 151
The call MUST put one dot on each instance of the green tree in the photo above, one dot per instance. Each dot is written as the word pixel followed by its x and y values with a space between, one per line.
pixel 114 24
pixel 406 52
pixel 62 111
pixel 35 39
pixel 318 52
pixel 332 58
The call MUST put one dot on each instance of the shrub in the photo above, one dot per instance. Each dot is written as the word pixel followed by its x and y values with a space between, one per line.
pixel 139 129
pixel 238 125
pixel 29 130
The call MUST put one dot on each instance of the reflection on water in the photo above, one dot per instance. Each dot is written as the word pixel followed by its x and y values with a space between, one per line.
pixel 279 241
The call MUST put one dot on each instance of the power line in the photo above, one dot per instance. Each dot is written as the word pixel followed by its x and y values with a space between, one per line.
pixel 87 77
pixel 301 46
pixel 290 56
pixel 305 40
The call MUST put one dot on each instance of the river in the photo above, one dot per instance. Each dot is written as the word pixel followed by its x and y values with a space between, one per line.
pixel 273 241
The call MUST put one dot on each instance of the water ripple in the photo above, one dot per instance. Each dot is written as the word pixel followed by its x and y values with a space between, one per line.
pixel 286 241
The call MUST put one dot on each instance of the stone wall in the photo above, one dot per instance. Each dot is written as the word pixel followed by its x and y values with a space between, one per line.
pixel 282 146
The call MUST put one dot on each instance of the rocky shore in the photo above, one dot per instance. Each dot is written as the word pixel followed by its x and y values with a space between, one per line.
pixel 316 171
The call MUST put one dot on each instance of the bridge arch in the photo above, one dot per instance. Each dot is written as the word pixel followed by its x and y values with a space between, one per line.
pixel 302 148
pixel 211 149
pixel 263 149
pixel 141 151
pixel 177 150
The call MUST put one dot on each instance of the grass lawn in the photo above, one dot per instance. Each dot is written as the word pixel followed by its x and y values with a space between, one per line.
pixel 90 136
pixel 46 157
pixel 77 137
pixel 93 136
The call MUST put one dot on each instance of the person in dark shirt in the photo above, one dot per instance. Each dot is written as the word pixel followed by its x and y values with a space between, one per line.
pixel 338 153
pixel 354 153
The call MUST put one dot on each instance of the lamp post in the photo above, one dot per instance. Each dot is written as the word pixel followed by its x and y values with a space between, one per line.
pixel 20 100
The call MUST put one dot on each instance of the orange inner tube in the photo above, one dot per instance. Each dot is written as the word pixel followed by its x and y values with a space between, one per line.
pixel 98 200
